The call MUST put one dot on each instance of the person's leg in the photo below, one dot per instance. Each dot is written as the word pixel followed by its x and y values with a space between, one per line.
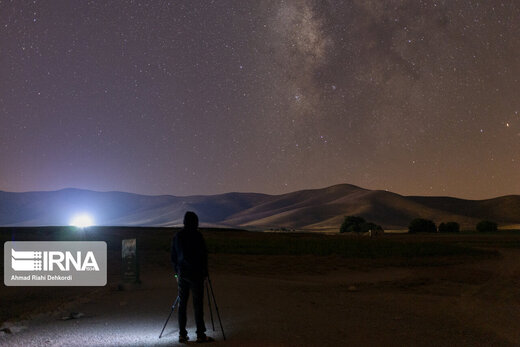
pixel 184 294
pixel 198 302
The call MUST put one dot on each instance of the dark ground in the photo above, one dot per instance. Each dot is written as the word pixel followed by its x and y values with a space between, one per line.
pixel 296 290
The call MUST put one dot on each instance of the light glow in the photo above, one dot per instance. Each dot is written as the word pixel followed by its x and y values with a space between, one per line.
pixel 82 221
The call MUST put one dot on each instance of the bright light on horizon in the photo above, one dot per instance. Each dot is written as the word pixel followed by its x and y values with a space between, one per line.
pixel 82 221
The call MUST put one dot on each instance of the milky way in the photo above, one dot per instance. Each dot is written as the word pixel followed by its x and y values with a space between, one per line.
pixel 204 97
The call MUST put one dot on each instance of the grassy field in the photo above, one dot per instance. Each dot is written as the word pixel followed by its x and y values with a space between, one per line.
pixel 324 245
pixel 220 241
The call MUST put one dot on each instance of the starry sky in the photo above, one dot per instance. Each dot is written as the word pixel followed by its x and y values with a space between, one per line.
pixel 205 97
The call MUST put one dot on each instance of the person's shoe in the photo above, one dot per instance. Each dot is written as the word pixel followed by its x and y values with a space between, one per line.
pixel 204 339
pixel 183 338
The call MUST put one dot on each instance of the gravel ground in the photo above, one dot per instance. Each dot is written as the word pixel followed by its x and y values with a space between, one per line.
pixel 386 306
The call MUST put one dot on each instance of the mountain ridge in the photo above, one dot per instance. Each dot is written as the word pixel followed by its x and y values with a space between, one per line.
pixel 321 208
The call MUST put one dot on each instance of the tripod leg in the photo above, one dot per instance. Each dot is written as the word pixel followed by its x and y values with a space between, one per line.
pixel 216 309
pixel 173 309
pixel 209 304
pixel 166 322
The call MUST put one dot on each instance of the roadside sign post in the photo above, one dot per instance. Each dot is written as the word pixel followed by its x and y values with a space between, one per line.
pixel 130 266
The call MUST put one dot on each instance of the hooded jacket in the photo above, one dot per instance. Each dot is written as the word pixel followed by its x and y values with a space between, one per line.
pixel 189 254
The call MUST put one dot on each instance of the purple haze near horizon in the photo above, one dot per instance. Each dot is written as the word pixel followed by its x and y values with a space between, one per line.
pixel 205 97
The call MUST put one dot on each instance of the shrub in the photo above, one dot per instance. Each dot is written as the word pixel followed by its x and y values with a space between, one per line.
pixel 486 226
pixel 450 227
pixel 351 224
pixel 354 224
pixel 371 226
pixel 421 225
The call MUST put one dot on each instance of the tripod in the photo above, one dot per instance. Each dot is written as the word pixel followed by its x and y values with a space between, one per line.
pixel 216 308
pixel 173 309
pixel 208 288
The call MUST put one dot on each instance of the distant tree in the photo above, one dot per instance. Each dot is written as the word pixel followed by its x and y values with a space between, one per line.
pixel 355 224
pixel 450 227
pixel 371 227
pixel 352 224
pixel 421 225
pixel 486 226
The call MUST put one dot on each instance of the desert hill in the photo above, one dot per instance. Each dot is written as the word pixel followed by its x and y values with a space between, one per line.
pixel 304 209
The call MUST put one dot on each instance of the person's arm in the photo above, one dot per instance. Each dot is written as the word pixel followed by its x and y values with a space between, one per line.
pixel 173 255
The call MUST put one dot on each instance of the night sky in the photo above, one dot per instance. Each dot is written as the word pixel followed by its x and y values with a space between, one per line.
pixel 205 97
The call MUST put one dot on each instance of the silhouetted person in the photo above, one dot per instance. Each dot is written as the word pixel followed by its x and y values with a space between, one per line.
pixel 190 262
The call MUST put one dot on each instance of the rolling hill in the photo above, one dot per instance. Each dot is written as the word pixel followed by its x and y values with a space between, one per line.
pixel 305 209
